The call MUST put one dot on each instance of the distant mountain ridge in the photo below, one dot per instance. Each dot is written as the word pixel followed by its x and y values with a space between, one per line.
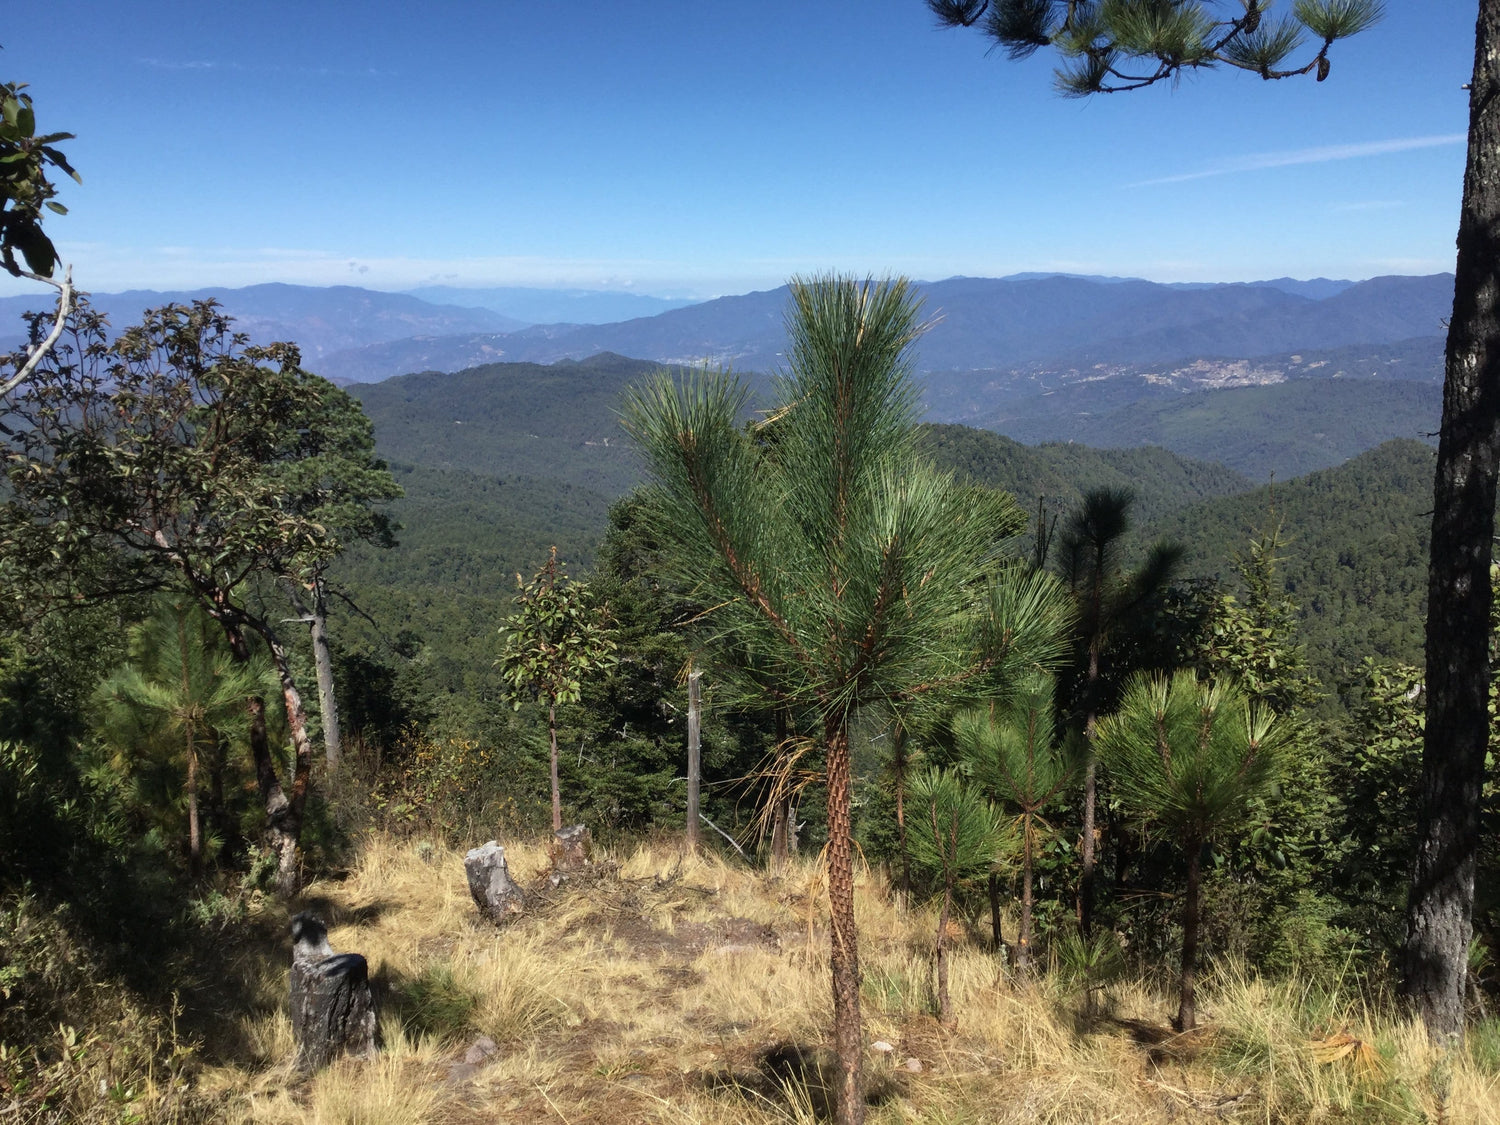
pixel 553 306
pixel 1051 323
pixel 1020 326
pixel 319 319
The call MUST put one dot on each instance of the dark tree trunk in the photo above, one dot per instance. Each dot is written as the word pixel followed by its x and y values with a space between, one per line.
pixel 844 951
pixel 283 809
pixel 556 789
pixel 288 876
pixel 1187 1009
pixel 1023 945
pixel 944 998
pixel 778 835
pixel 1440 911
pixel 280 824
pixel 694 728
pixel 1090 783
pixel 996 935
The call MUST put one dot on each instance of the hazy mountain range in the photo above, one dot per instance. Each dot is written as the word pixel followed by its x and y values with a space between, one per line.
pixel 1107 361
pixel 1022 324
pixel 1031 325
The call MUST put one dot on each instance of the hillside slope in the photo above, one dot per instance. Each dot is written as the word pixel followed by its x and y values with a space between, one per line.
pixel 557 422
pixel 1355 554
pixel 1285 429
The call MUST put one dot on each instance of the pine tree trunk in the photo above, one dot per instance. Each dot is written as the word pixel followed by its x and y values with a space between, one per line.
pixel 1187 1010
pixel 1090 797
pixel 1086 877
pixel 783 805
pixel 1023 945
pixel 1441 903
pixel 556 789
pixel 844 952
pixel 694 728
pixel 195 834
pixel 996 936
pixel 195 830
pixel 944 998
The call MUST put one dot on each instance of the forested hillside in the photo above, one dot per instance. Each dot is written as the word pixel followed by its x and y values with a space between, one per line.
pixel 1354 552
pixel 555 421
pixel 1061 473
pixel 1285 429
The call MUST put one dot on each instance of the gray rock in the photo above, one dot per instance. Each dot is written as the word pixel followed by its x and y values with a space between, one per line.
pixel 495 893
pixel 332 1009
pixel 482 1049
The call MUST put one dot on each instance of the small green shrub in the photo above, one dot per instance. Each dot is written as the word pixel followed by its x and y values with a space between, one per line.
pixel 1483 1040
pixel 436 1004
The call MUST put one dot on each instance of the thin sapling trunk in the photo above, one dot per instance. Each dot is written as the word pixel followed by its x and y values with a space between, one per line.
pixel 1187 1011
pixel 556 789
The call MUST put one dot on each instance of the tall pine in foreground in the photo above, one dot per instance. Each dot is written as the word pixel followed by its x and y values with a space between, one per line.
pixel 843 567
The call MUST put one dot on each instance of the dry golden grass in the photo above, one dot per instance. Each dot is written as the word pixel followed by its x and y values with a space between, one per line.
pixel 649 992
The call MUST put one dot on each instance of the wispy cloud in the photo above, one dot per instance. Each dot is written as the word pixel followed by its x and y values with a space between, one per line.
pixel 1369 205
pixel 269 68
pixel 185 64
pixel 1323 154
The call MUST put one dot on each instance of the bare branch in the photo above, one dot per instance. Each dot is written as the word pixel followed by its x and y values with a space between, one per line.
pixel 64 308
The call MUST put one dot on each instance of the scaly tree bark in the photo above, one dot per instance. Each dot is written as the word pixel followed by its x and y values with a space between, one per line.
pixel 1441 904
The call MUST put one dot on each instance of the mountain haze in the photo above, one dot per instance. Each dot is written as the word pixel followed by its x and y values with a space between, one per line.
pixel 1022 326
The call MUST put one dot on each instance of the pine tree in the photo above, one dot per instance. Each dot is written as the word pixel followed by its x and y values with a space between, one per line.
pixel 956 837
pixel 1190 756
pixel 179 695
pixel 1117 45
pixel 1109 600
pixel 1012 752
pixel 847 570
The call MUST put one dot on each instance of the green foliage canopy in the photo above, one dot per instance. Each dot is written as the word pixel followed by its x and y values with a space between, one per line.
pixel 25 191
pixel 555 638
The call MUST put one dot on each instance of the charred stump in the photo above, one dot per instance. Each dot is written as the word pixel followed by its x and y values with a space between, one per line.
pixel 333 1011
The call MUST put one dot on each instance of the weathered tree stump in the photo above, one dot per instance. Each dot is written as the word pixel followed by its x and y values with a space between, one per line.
pixel 333 1012
pixel 495 893
pixel 572 849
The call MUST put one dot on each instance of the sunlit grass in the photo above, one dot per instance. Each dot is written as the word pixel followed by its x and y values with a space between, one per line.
pixel 648 990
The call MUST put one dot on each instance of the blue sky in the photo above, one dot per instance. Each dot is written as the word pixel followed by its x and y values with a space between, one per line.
pixel 693 149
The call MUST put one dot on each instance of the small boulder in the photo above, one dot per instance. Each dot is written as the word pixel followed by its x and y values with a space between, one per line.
pixel 482 1049
pixel 495 893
